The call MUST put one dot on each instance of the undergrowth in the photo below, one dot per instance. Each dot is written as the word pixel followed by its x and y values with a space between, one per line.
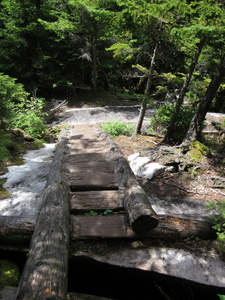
pixel 115 128
pixel 218 219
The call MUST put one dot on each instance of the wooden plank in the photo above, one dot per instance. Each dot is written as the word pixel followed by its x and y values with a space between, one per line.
pixel 114 226
pixel 45 273
pixel 86 157
pixel 91 180
pixel 76 150
pixel 97 200
pixel 103 167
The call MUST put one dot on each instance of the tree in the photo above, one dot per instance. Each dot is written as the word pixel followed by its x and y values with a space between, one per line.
pixel 205 28
pixel 182 93
pixel 196 124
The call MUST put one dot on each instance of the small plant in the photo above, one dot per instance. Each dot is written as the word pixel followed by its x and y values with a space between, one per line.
pixel 106 212
pixel 116 128
pixel 218 219
pixel 9 273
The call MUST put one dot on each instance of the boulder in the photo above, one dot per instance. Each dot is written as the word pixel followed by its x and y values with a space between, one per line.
pixel 142 167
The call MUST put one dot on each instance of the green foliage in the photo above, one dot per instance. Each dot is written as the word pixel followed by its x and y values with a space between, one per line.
pixel 116 128
pixel 9 273
pixel 162 117
pixel 29 116
pixel 3 192
pixel 106 212
pixel 5 143
pixel 222 297
pixel 218 219
pixel 10 94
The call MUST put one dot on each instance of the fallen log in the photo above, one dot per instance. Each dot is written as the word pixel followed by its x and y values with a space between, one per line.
pixel 11 225
pixel 139 211
pixel 173 227
pixel 170 227
pixel 45 273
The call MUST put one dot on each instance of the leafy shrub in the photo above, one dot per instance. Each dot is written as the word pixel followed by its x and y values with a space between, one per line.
pixel 116 128
pixel 162 117
pixel 29 116
pixel 218 219
pixel 10 94
pixel 18 110
pixel 5 143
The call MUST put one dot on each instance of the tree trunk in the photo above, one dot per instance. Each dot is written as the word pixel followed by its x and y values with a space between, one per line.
pixel 146 93
pixel 197 121
pixel 180 99
pixel 94 59
pixel 45 273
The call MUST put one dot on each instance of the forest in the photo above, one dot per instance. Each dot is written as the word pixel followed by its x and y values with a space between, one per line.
pixel 154 51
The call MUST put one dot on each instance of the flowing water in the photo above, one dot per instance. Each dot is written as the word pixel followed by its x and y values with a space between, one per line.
pixel 27 182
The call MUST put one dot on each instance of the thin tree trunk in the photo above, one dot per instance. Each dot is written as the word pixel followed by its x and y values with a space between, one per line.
pixel 146 93
pixel 180 99
pixel 94 60
pixel 195 127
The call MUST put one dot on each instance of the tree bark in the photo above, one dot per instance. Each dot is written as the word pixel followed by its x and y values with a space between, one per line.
pixel 183 91
pixel 94 58
pixel 45 273
pixel 197 121
pixel 140 213
pixel 146 93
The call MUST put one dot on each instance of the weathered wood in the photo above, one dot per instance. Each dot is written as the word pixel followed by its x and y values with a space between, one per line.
pixel 183 226
pixel 11 225
pixel 140 213
pixel 96 200
pixel 114 226
pixel 91 180
pixel 170 227
pixel 86 157
pixel 175 227
pixel 45 273
pixel 81 167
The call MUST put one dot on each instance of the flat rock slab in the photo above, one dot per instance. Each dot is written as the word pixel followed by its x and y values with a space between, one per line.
pixel 114 226
pixel 96 200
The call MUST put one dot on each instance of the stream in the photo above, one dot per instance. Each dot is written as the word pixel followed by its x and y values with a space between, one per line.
pixel 27 182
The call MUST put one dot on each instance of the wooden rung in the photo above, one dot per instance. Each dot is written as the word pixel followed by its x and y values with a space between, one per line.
pixel 114 226
pixel 90 166
pixel 97 200
pixel 91 180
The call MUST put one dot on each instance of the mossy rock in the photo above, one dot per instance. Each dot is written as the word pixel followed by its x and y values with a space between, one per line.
pixel 198 151
pixel 9 273
pixel 3 192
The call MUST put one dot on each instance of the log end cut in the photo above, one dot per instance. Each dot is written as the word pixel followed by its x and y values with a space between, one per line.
pixel 144 223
